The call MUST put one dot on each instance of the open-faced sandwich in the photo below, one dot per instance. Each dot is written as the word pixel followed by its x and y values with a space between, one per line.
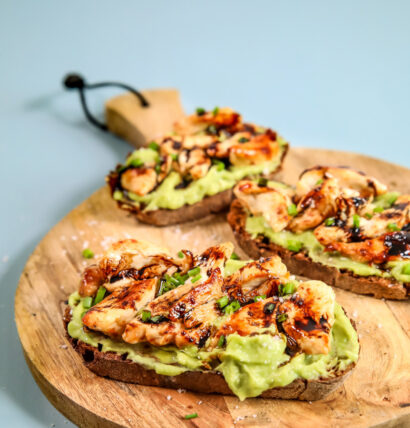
pixel 209 323
pixel 190 172
pixel 337 225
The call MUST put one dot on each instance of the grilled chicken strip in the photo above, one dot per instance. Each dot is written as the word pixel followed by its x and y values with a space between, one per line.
pixel 112 314
pixel 391 246
pixel 270 202
pixel 139 180
pixel 260 149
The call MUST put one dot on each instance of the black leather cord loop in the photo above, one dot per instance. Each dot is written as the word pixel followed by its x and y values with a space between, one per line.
pixel 75 81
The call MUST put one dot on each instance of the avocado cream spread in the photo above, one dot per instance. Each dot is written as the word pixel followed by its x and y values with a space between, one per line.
pixel 167 196
pixel 249 364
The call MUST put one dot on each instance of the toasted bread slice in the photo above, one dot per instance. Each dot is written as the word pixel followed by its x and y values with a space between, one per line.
pixel 300 264
pixel 209 324
pixel 190 172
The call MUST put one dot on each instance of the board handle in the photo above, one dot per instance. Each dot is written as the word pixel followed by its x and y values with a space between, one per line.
pixel 76 81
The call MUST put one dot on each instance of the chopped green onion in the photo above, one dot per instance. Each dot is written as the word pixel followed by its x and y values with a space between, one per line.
pixel 87 302
pixel 282 317
pixel 196 278
pixel 330 221
pixel 392 198
pixel 181 278
pixel 294 246
pixel 243 140
pixel 158 168
pixel 145 316
pixel 153 145
pixel 368 216
pixel 319 182
pixel 262 182
pixel 288 288
pixel 292 210
pixel 100 295
pixel 221 341
pixel 174 156
pixel 232 307
pixel 259 298
pixel 88 254
pixel 378 210
pixel 137 163
pixel 234 256
pixel 171 279
pixel 356 221
pixel 219 164
pixel 117 195
pixel 393 227
pixel 156 319
pixel 215 111
pixel 181 255
pixel 194 271
pixel 406 269
pixel 222 301
pixel 191 416
pixel 200 111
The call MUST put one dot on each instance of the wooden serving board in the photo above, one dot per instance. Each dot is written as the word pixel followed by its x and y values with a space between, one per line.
pixel 376 394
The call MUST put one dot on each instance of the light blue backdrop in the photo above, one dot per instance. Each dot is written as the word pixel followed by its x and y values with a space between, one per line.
pixel 325 74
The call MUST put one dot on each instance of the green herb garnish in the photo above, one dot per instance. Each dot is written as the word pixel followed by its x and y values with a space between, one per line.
pixel 221 341
pixel 181 255
pixel 215 111
pixel 117 195
pixel 153 145
pixel 292 210
pixel 174 156
pixel 88 254
pixel 145 316
pixel 87 302
pixel 219 164
pixel 262 182
pixel 196 278
pixel 137 163
pixel 392 227
pixel 200 111
pixel 191 416
pixel 368 216
pixel 356 221
pixel 222 301
pixel 330 221
pixel 259 298
pixel 287 288
pixel 282 317
pixel 319 182
pixel 194 271
pixel 232 307
pixel 100 294
pixel 234 256
pixel 378 210
pixel 243 140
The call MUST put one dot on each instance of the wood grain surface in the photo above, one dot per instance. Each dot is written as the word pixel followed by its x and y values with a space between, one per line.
pixel 376 394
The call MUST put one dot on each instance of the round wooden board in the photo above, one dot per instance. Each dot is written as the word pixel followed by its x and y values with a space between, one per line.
pixel 376 394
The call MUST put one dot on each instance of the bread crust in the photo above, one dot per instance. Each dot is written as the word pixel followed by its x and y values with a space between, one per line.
pixel 301 264
pixel 118 367
pixel 208 205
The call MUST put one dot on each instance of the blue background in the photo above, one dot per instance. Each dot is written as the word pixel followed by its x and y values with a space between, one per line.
pixel 323 74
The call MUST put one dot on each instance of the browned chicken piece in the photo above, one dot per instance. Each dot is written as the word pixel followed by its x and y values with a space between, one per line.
pixel 111 315
pixel 222 148
pixel 198 141
pixel 164 168
pixel 122 263
pixel 270 202
pixel 224 117
pixel 315 206
pixel 139 180
pixel 260 149
pixel 255 273
pixel 309 317
pixel 350 182
pixel 391 246
pixel 249 319
pixel 169 145
pixel 194 163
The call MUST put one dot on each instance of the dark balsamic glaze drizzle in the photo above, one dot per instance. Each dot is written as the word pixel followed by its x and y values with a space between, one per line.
pixel 398 244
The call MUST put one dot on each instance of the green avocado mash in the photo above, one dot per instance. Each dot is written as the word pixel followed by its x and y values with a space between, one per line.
pixel 216 181
pixel 250 365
